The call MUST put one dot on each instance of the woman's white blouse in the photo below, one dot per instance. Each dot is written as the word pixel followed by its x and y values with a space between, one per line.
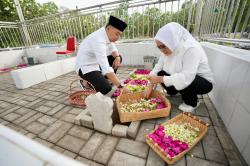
pixel 183 65
pixel 93 51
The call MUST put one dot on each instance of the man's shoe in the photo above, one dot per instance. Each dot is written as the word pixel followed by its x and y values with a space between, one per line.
pixel 84 84
pixel 188 108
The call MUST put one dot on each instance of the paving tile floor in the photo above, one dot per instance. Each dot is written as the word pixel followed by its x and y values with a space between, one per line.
pixel 43 113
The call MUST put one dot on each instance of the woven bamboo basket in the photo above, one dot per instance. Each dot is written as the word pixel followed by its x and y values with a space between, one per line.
pixel 77 97
pixel 179 119
pixel 135 116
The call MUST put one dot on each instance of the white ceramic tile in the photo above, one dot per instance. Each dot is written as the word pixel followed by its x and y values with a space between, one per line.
pixel 246 152
pixel 227 107
pixel 68 65
pixel 22 77
pixel 222 68
pixel 28 150
pixel 239 126
pixel 11 154
pixel 244 97
pixel 237 77
pixel 11 58
pixel 52 69
pixel 210 56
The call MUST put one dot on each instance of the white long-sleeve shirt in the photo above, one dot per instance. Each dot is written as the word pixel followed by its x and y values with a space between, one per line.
pixel 93 51
pixel 183 65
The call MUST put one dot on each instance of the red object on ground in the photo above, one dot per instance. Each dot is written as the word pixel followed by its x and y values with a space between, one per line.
pixel 5 69
pixel 70 46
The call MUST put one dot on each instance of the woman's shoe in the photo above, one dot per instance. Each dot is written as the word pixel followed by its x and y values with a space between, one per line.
pixel 188 108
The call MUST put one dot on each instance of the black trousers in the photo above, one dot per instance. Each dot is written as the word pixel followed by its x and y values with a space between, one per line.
pixel 189 94
pixel 96 78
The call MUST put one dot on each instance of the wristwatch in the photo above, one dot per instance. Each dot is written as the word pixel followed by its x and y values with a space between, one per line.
pixel 120 86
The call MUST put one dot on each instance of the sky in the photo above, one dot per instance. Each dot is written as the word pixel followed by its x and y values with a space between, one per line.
pixel 71 4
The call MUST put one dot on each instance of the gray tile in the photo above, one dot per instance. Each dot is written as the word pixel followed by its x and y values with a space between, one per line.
pixel 43 109
pixel 71 143
pixel 58 149
pixel 145 128
pixel 134 148
pixel 69 154
pixel 90 148
pixel 120 130
pixel 51 129
pixel 133 128
pixel 36 128
pixel 234 158
pixel 224 137
pixel 60 132
pixel 47 120
pixel 174 111
pixel 104 152
pixel 56 113
pixel 43 142
pixel 154 159
pixel 68 118
pixel 87 162
pixel 51 104
pixel 198 151
pixel 31 119
pixel 193 161
pixel 22 111
pixel 213 150
pixel 11 116
pixel 202 110
pixel 123 159
pixel 80 132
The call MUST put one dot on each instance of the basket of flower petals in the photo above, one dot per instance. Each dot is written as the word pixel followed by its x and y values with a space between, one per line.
pixel 134 107
pixel 136 83
pixel 142 71
pixel 77 96
pixel 174 138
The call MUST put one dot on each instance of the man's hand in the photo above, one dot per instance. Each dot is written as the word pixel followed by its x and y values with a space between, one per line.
pixel 117 62
pixel 155 79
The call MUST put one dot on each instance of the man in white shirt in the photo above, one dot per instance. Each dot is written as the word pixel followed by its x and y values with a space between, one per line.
pixel 93 62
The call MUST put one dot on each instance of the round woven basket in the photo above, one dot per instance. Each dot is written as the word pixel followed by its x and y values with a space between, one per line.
pixel 78 97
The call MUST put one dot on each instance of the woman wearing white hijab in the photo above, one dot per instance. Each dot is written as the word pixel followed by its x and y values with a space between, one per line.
pixel 183 67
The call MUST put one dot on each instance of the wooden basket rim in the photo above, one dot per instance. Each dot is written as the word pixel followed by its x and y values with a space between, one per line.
pixel 164 111
pixel 162 154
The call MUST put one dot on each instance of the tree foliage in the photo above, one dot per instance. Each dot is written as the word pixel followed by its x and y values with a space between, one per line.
pixel 30 9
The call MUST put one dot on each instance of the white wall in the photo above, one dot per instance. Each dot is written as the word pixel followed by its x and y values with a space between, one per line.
pixel 11 58
pixel 231 92
pixel 44 55
pixel 41 55
pixel 17 150
pixel 132 53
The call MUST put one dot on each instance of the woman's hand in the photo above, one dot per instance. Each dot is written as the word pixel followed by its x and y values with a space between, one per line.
pixel 147 93
pixel 155 79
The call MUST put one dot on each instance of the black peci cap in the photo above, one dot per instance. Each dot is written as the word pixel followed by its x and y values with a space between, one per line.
pixel 117 23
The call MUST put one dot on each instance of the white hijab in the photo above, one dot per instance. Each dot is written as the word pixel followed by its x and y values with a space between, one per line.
pixel 172 34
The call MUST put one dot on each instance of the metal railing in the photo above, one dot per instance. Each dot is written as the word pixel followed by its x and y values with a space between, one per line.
pixel 206 19
pixel 10 35
pixel 226 21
